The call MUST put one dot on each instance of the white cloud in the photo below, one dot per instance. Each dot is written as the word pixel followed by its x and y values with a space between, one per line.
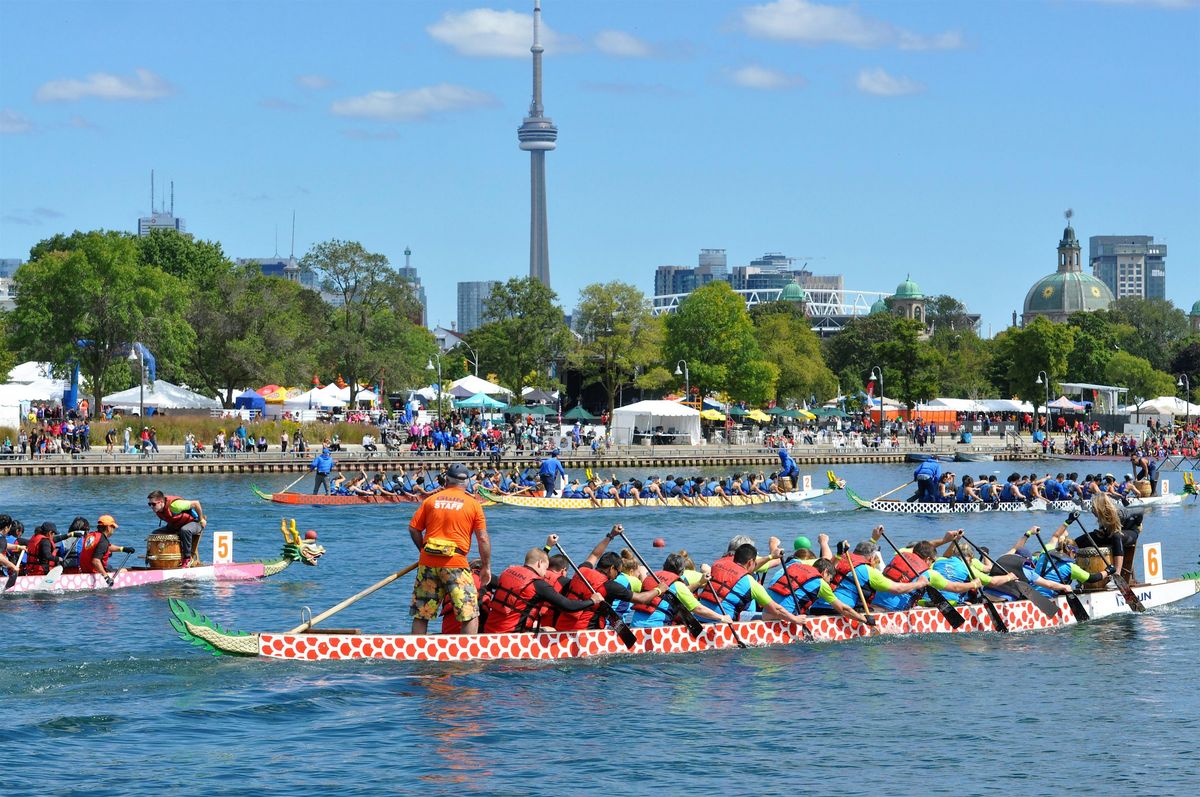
pixel 760 77
pixel 276 104
pixel 82 123
pixel 622 45
pixel 812 23
pixel 313 82
pixel 483 32
pixel 413 104
pixel 880 83
pixel 143 85
pixel 13 122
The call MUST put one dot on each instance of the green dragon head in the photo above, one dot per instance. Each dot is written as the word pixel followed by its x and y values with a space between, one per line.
pixel 296 549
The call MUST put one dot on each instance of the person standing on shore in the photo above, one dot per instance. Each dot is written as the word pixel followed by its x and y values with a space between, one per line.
pixel 322 464
pixel 441 529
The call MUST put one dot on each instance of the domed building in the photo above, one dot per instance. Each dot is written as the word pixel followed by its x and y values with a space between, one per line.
pixel 880 306
pixel 792 292
pixel 1068 290
pixel 908 300
pixel 1194 317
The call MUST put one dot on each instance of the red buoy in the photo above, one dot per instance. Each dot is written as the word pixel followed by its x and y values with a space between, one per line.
pixel 659 542
pixel 311 534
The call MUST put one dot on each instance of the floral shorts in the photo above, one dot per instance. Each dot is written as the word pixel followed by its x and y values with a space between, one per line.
pixel 434 583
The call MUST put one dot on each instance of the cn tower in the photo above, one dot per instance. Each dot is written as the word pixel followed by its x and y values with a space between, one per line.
pixel 537 135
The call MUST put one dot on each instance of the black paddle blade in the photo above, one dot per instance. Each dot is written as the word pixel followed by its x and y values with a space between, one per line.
pixel 624 632
pixel 693 626
pixel 12 579
pixel 808 635
pixel 1127 593
pixel 1077 609
pixel 994 613
pixel 939 602
pixel 1047 606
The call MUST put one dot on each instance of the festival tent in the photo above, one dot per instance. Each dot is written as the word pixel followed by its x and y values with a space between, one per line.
pixel 250 400
pixel 955 404
pixel 1164 405
pixel 476 385
pixel 273 394
pixel 1005 405
pixel 536 394
pixel 578 413
pixel 164 396
pixel 363 394
pixel 480 401
pixel 1064 404
pixel 315 398
pixel 461 392
pixel 648 415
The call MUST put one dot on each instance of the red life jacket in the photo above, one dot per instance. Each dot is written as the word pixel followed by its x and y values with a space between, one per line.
pixel 548 614
pixel 794 578
pixel 451 623
pixel 843 573
pixel 663 578
pixel 174 521
pixel 905 567
pixel 34 565
pixel 87 549
pixel 724 577
pixel 580 590
pixel 513 601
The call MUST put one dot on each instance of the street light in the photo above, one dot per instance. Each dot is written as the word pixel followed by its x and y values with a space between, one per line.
pixel 135 356
pixel 877 373
pixel 1186 383
pixel 429 367
pixel 687 379
pixel 475 354
pixel 1042 375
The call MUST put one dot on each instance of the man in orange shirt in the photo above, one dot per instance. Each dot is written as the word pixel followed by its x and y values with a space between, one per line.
pixel 441 529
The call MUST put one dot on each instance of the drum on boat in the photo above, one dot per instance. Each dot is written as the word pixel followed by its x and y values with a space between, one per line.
pixel 785 484
pixel 162 552
pixel 1090 559
pixel 1143 487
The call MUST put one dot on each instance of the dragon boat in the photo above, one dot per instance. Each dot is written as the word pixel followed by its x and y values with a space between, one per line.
pixel 341 644
pixel 304 499
pixel 805 493
pixel 898 506
pixel 223 568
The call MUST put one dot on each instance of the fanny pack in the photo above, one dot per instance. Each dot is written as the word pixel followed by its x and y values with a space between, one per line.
pixel 442 547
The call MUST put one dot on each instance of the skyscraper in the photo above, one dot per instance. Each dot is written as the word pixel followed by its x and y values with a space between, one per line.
pixel 161 219
pixel 537 135
pixel 472 298
pixel 409 273
pixel 1130 265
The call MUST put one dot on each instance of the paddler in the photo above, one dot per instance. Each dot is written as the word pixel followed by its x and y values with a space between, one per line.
pixel 182 517
pixel 916 562
pixel 1145 468
pixel 927 475
pixel 10 547
pixel 601 570
pixel 442 529
pixel 674 587
pixel 959 567
pixel 733 590
pixel 523 593
pixel 96 547
pixel 42 550
pixel 802 582
pixel 788 467
pixel 866 562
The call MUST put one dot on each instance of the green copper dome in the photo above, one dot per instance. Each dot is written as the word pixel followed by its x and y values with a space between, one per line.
pixel 792 292
pixel 1067 292
pixel 880 306
pixel 1195 309
pixel 908 290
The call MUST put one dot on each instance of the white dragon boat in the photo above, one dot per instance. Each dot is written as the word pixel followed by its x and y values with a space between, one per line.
pixel 899 506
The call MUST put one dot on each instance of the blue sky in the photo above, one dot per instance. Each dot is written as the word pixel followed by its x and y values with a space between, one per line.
pixel 941 139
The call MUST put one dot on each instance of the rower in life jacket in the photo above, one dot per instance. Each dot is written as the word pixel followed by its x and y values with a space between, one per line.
pixel 522 592
pixel 42 550
pixel 597 574
pixel 730 584
pixel 674 597
pixel 96 547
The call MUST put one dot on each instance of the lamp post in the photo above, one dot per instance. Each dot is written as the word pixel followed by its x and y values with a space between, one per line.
pixel 474 354
pixel 1043 379
pixel 429 367
pixel 877 373
pixel 1186 383
pixel 135 356
pixel 687 380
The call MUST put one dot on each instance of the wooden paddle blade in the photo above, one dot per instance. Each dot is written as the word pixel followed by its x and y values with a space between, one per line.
pixel 939 602
pixel 1081 614
pixel 1127 593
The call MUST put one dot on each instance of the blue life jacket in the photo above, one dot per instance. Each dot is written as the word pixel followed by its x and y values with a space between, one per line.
pixel 624 491
pixel 1027 489
pixel 604 491
pixel 767 485
pixel 953 569
pixel 1052 490
pixel 710 488
pixel 985 491
pixel 929 470
pixel 746 486
pixel 671 489
pixel 889 601
pixel 622 607
pixel 961 494
pixel 1068 487
pixel 1052 568
pixel 1010 492
pixel 506 484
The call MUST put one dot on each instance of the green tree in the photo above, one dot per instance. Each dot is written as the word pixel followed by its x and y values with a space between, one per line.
pixel 620 336
pixel 1155 328
pixel 854 351
pixel 1139 376
pixel 1041 345
pixel 197 263
pixel 786 338
pixel 253 329
pixel 371 336
pixel 90 302
pixel 1097 337
pixel 523 333
pixel 713 333
pixel 911 367
pixel 947 314
pixel 1187 361
pixel 8 358
pixel 967 361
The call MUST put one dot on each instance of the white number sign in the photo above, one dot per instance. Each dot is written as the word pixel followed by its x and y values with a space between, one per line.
pixel 222 548
pixel 1152 569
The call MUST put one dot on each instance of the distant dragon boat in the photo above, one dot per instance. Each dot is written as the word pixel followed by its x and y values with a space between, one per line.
pixel 304 499
pixel 294 550
pixel 564 645
pixel 899 506
pixel 805 493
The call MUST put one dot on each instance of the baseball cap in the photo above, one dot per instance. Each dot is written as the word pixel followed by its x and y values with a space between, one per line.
pixel 458 472
pixel 1024 552
pixel 802 543
pixel 107 520
pixel 49 528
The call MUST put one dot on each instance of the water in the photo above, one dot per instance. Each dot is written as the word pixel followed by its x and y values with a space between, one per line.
pixel 116 702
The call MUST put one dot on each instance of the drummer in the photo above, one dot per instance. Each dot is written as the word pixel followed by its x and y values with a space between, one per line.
pixel 182 517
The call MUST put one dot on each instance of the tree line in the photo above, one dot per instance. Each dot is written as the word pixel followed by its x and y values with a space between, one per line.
pixel 217 327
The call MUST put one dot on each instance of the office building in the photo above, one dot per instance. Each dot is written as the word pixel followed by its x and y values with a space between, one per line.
pixel 410 274
pixel 472 299
pixel 161 218
pixel 9 266
pixel 286 267
pixel 1130 265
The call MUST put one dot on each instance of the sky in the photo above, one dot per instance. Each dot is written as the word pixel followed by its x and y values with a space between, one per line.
pixel 873 139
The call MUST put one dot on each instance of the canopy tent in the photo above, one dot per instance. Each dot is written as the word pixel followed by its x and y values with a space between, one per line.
pixel 164 396
pixel 537 395
pixel 1164 405
pixel 476 385
pixel 267 390
pixel 737 412
pixel 461 392
pixel 777 411
pixel 1004 405
pixel 480 401
pixel 578 413
pixel 801 414
pixel 712 415
pixel 1065 404
pixel 31 371
pixel 955 404
pixel 273 394
pixel 250 400
pixel 364 394
pixel 758 415
pixel 829 412
pixel 316 398
pixel 540 410
pixel 646 416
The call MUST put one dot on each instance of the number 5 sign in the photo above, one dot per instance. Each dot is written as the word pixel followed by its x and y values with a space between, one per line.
pixel 222 548
pixel 1152 572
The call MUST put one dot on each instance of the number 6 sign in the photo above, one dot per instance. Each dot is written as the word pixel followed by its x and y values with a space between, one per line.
pixel 222 548
pixel 1152 572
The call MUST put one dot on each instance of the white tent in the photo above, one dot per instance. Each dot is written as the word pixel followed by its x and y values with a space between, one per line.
pixel 477 385
pixel 1005 405
pixel 31 371
pixel 1164 405
pixel 646 416
pixel 316 398
pixel 163 395
pixel 363 394
pixel 955 404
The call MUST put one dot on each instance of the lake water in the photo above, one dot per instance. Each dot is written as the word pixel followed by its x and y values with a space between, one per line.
pixel 101 697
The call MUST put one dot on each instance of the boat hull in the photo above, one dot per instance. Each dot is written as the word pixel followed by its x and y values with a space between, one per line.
pixel 713 502
pixel 901 507
pixel 135 577
pixel 335 500
pixel 559 645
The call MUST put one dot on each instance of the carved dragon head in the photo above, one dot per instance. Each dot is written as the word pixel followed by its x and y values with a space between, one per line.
pixel 296 549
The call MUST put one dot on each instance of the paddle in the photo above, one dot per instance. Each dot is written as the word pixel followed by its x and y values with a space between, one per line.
pixel 16 571
pixel 57 571
pixel 1072 599
pixel 997 621
pixel 628 638
pixel 792 589
pixel 844 548
pixel 898 489
pixel 1117 578
pixel 1047 606
pixel 686 617
pixel 293 484
pixel 351 600
pixel 721 608
pixel 933 595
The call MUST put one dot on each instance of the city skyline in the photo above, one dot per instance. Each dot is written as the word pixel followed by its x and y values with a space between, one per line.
pixel 879 139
